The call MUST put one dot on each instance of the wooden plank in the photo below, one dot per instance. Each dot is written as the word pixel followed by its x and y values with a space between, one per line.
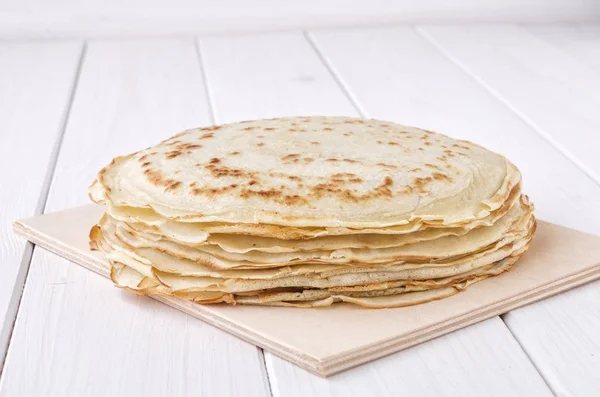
pixel 560 334
pixel 437 368
pixel 289 58
pixel 76 334
pixel 253 77
pixel 580 41
pixel 555 94
pixel 432 92
pixel 36 82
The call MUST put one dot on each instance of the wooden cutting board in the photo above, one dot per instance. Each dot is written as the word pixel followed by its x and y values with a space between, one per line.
pixel 329 340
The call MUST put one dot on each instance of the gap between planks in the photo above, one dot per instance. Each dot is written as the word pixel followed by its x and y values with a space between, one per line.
pixel 17 294
pixel 213 120
pixel 498 96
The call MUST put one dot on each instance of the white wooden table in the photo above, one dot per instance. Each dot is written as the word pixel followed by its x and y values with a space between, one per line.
pixel 68 107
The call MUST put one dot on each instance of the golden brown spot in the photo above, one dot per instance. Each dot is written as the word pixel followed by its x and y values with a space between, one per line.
pixel 250 128
pixel 290 157
pixel 427 143
pixel 233 153
pixel 260 136
pixel 387 165
pixel 316 143
pixel 154 153
pixel 207 135
pixel 294 199
pixel 274 195
pixel 449 153
pixel 215 160
pixel 336 187
pixel 141 159
pixel 252 182
pixel 219 171
pixel 392 143
pixel 268 129
pixel 172 186
pixel 407 189
pixel 327 129
pixel 345 177
pixel 308 160
pixel 172 154
pixel 332 160
pixel 420 183
pixel 260 144
pixel 193 184
pixel 461 146
pixel 438 176
pixel 188 146
pixel 157 179
pixel 350 161
pixel 435 167
pixel 379 142
pixel 294 178
pixel 146 164
pixel 212 128
pixel 415 170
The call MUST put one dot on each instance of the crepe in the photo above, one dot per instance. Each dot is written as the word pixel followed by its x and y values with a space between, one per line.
pixel 310 211
pixel 312 172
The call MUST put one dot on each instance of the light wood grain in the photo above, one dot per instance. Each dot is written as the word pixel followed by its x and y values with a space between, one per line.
pixel 429 369
pixel 582 42
pixel 35 85
pixel 75 334
pixel 266 76
pixel 555 94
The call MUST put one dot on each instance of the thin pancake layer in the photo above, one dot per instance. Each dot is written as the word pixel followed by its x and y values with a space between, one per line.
pixel 213 256
pixel 196 236
pixel 314 171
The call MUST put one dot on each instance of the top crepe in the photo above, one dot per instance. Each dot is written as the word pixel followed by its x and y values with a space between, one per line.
pixel 311 172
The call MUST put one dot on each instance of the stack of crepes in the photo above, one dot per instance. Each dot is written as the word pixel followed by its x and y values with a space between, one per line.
pixel 309 211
